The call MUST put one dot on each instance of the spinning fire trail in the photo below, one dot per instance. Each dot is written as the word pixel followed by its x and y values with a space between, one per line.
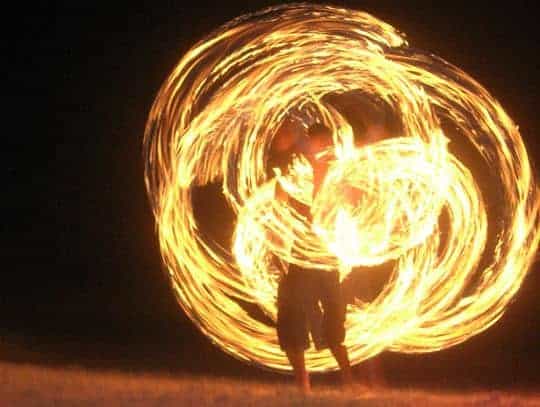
pixel 214 120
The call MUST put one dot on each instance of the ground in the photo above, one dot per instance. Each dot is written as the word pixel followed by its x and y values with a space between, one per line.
pixel 34 385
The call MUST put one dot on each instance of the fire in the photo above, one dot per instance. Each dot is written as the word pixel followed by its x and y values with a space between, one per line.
pixel 214 120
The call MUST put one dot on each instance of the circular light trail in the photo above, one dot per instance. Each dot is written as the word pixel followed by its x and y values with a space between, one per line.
pixel 214 120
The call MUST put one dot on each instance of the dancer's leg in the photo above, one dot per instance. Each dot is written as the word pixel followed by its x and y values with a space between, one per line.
pixel 342 357
pixel 296 359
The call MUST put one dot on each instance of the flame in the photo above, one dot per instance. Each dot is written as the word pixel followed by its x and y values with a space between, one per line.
pixel 214 120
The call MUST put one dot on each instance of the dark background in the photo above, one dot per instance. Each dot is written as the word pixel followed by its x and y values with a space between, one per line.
pixel 82 280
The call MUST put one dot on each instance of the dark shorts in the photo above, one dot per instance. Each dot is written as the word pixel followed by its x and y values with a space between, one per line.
pixel 300 292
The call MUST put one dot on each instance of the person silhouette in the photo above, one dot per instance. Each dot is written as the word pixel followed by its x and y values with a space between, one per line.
pixel 303 292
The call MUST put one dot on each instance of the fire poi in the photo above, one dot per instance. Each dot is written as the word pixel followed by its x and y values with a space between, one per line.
pixel 214 121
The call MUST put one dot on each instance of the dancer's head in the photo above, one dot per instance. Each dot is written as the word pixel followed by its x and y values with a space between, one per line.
pixel 320 138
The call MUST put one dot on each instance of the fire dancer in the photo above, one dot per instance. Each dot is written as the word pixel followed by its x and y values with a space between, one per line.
pixel 301 290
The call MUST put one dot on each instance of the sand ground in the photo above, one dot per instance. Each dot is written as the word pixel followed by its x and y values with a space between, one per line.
pixel 35 385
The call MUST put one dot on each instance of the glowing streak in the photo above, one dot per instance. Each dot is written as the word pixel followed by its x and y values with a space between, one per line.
pixel 213 121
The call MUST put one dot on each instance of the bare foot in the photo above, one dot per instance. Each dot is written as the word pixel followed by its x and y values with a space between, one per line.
pixel 304 386
pixel 306 389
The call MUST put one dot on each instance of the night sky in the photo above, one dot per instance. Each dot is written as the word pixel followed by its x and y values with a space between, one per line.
pixel 81 264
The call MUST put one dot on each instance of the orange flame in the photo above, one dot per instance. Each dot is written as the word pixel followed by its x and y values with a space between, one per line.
pixel 213 121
